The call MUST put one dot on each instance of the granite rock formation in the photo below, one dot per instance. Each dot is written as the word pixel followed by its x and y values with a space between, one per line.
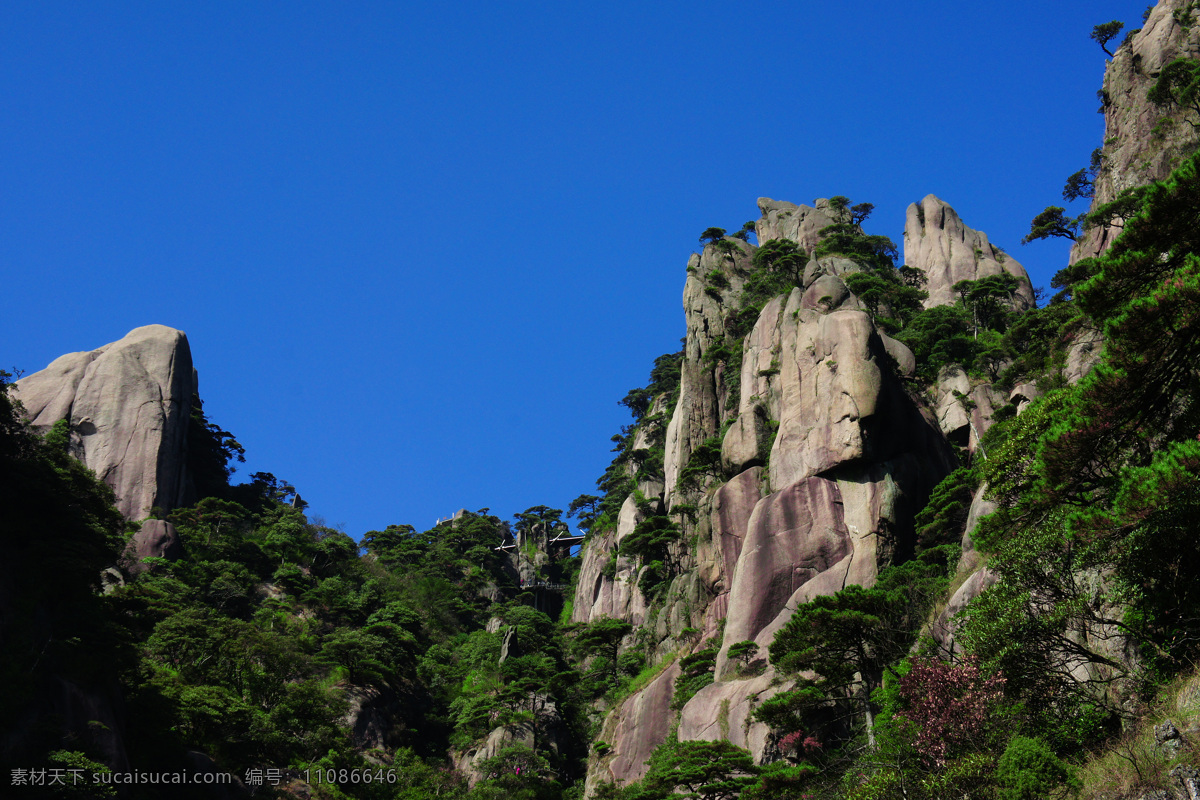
pixel 1133 154
pixel 128 405
pixel 938 243
pixel 155 539
pixel 826 458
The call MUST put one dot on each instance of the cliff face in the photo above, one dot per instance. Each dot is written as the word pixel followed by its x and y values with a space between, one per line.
pixel 128 404
pixel 938 243
pixel 826 455
pixel 1133 154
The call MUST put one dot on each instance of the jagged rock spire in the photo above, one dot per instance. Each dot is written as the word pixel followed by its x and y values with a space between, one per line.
pixel 938 243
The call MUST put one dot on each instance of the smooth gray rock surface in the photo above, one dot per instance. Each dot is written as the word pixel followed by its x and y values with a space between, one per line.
pixel 800 224
pixel 128 404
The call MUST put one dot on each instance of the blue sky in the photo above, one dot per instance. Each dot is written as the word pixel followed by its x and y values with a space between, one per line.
pixel 421 251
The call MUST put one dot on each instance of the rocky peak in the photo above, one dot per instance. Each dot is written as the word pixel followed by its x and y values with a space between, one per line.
pixel 937 242
pixel 128 404
pixel 1133 154
pixel 800 224
pixel 714 285
pixel 825 459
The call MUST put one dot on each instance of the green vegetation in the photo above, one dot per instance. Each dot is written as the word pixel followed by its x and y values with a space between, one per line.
pixel 1105 33
pixel 272 631
pixel 1093 547
pixel 254 645
pixel 1178 87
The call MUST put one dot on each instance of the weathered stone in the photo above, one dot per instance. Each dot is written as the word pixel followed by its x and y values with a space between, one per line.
pixel 1187 779
pixel 156 539
pixel 1133 153
pixel 128 404
pixel 511 646
pixel 830 384
pixel 906 362
pixel 761 352
pixel 1168 738
pixel 1023 394
pixel 732 506
pixel 829 266
pixel 111 579
pixel 1087 346
pixel 598 595
pixel 825 294
pixel 946 625
pixel 981 506
pixel 551 732
pixel 938 243
pixel 703 391
pixel 640 724
pixel 721 711
pixel 793 535
pixel 874 505
pixel 964 409
pixel 853 461
pixel 741 448
pixel 800 224
pixel 952 386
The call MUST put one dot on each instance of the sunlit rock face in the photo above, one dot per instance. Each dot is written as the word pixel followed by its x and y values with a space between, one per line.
pixel 937 242
pixel 826 459
pixel 128 404
pixel 1134 153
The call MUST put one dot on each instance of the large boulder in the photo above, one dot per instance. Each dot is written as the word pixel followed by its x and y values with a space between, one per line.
pixel 946 624
pixel 722 711
pixel 544 728
pixel 128 404
pixel 938 243
pixel 964 407
pixel 155 539
pixel 610 590
pixel 1087 345
pixel 793 535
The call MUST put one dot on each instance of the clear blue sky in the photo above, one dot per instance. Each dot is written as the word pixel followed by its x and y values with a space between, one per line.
pixel 422 250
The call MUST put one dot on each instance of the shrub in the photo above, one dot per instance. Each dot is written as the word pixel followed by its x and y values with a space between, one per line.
pixel 1029 770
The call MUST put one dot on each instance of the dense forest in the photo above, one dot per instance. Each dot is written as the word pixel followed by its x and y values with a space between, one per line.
pixel 458 661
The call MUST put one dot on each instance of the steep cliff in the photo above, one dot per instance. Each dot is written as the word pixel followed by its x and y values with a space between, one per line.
pixel 128 404
pixel 1138 148
pixel 795 460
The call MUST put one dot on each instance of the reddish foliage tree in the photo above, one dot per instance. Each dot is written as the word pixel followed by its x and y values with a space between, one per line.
pixel 950 704
pixel 800 743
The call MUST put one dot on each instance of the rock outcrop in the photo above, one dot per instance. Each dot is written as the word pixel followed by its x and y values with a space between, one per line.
pixel 128 405
pixel 155 539
pixel 1133 153
pixel 965 407
pixel 826 457
pixel 800 224
pixel 1087 345
pixel 938 243
pixel 638 726
pixel 545 727
pixel 722 711
pixel 852 462
pixel 715 280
